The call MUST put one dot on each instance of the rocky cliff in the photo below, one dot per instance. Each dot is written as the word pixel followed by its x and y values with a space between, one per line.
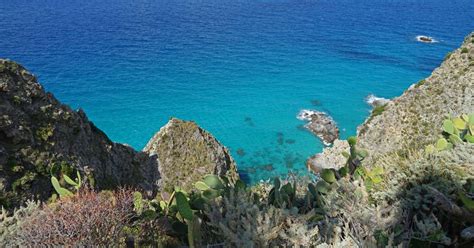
pixel 38 133
pixel 410 121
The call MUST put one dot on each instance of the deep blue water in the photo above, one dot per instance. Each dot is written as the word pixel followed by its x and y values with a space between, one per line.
pixel 240 69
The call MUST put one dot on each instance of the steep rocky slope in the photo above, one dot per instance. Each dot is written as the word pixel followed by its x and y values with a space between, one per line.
pixel 186 153
pixel 408 122
pixel 419 112
pixel 38 133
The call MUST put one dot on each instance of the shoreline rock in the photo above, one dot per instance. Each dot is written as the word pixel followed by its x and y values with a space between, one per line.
pixel 320 124
pixel 330 157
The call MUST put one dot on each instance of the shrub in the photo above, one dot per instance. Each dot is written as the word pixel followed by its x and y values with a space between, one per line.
pixel 11 225
pixel 238 221
pixel 464 50
pixel 378 110
pixel 85 219
pixel 448 55
pixel 420 83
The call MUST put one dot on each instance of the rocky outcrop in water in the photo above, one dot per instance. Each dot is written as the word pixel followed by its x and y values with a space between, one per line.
pixel 321 125
pixel 186 153
pixel 425 39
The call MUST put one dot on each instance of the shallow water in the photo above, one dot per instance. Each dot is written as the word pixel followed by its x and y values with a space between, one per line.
pixel 240 69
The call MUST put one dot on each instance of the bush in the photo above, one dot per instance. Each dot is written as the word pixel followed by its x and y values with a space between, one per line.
pixel 238 221
pixel 85 219
pixel 420 83
pixel 11 225
pixel 448 55
pixel 464 50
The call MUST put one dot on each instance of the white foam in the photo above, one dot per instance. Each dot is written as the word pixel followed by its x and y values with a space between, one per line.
pixel 420 39
pixel 305 114
pixel 374 101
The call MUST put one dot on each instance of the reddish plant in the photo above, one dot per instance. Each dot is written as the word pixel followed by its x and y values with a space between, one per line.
pixel 85 219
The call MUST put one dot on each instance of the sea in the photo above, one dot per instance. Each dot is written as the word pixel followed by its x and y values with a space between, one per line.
pixel 242 70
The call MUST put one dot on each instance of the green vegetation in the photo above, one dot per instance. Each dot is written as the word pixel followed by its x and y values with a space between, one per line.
pixel 455 131
pixel 464 50
pixel 378 110
pixel 44 133
pixel 448 55
pixel 359 203
pixel 420 83
pixel 64 192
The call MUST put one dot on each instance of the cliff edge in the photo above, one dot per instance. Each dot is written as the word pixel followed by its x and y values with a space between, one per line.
pixel 40 137
pixel 409 121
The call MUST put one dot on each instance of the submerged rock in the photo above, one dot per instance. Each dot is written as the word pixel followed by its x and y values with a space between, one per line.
pixel 186 152
pixel 38 132
pixel 321 125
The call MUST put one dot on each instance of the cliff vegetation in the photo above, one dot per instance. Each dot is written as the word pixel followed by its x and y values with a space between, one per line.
pixel 405 180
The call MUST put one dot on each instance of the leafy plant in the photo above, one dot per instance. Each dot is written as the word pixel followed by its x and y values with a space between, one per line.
pixel 62 191
pixel 354 158
pixel 282 195
pixel 455 130
pixel 371 177
pixel 182 210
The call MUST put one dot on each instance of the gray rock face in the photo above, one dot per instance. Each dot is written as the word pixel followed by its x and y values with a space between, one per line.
pixel 186 153
pixel 321 125
pixel 331 157
pixel 37 132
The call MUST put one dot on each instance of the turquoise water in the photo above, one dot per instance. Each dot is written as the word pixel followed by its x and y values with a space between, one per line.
pixel 240 69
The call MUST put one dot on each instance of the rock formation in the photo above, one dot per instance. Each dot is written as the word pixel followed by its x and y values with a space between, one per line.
pixel 329 158
pixel 186 153
pixel 321 125
pixel 37 133
pixel 449 90
pixel 409 121
pixel 425 39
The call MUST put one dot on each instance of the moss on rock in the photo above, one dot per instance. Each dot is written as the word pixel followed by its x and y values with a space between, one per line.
pixel 186 153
